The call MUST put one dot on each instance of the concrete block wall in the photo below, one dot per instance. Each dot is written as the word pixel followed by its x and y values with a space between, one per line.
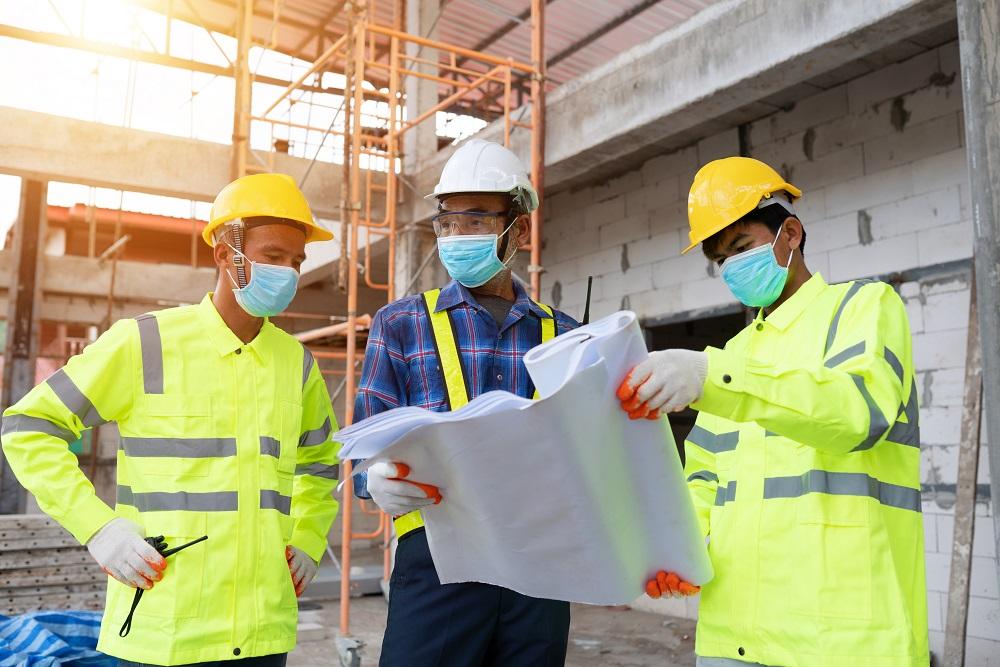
pixel 882 162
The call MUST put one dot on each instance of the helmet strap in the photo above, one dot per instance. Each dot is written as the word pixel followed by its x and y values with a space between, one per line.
pixel 238 262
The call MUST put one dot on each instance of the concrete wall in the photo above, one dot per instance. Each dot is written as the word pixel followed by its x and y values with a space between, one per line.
pixel 883 167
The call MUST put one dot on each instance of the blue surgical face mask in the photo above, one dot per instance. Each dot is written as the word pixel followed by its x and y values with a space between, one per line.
pixel 755 277
pixel 270 290
pixel 472 259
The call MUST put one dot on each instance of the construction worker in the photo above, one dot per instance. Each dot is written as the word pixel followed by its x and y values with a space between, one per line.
pixel 804 460
pixel 225 426
pixel 438 350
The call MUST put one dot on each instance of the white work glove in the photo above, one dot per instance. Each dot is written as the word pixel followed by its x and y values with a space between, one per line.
pixel 302 568
pixel 121 551
pixel 666 381
pixel 396 495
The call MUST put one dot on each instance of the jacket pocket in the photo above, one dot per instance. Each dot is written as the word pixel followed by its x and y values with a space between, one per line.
pixel 833 571
pixel 179 593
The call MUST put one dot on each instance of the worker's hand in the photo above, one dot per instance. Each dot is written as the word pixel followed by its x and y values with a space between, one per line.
pixel 302 568
pixel 395 494
pixel 121 551
pixel 669 584
pixel 666 381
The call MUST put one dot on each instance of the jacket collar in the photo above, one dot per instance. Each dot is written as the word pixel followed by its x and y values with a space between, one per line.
pixel 785 314
pixel 222 338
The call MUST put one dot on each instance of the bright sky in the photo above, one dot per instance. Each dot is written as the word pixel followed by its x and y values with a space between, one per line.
pixel 109 90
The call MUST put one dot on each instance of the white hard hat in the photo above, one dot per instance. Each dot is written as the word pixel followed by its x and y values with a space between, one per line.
pixel 485 166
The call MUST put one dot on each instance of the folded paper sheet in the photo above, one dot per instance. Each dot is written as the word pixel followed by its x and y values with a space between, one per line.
pixel 561 498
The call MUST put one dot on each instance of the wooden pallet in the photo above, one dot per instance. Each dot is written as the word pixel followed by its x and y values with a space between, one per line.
pixel 44 567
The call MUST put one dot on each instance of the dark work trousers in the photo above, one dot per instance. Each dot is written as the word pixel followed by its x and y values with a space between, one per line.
pixel 465 625
pixel 276 660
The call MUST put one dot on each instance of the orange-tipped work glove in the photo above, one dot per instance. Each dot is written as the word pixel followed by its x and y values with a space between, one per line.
pixel 302 568
pixel 396 495
pixel 670 585
pixel 121 551
pixel 666 381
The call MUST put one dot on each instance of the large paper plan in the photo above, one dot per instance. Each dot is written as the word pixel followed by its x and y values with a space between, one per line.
pixel 562 498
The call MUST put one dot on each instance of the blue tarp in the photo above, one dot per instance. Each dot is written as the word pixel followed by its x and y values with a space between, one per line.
pixel 51 639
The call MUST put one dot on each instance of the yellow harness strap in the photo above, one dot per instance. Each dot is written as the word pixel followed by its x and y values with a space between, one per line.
pixel 446 346
pixel 548 329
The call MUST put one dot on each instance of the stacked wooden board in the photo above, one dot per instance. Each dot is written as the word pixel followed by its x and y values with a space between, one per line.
pixel 44 567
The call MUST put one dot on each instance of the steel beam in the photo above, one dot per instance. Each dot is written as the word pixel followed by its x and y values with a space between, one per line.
pixel 586 41
pixel 80 44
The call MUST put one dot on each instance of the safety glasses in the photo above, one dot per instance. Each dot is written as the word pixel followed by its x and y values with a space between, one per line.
pixel 450 223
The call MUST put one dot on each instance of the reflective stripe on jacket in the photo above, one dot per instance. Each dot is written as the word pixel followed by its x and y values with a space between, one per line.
pixel 218 438
pixel 804 468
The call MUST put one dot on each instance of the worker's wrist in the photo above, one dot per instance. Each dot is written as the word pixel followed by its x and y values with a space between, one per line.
pixel 308 543
pixel 89 519
pixel 724 377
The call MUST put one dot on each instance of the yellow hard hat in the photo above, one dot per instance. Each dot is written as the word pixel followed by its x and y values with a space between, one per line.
pixel 725 190
pixel 263 195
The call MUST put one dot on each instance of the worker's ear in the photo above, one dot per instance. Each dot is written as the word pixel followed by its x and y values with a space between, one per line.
pixel 222 255
pixel 521 231
pixel 792 231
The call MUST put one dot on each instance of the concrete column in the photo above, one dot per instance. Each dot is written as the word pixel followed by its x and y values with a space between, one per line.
pixel 241 110
pixel 21 348
pixel 419 145
pixel 979 48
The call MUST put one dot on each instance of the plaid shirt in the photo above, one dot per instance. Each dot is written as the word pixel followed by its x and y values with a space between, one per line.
pixel 401 366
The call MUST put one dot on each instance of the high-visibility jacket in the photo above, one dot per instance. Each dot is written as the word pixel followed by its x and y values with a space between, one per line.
pixel 454 375
pixel 218 438
pixel 804 469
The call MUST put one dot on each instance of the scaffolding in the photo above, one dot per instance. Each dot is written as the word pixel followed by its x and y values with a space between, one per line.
pixel 373 127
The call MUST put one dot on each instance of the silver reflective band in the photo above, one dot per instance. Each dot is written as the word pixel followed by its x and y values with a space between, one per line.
pixel 842 484
pixel 908 432
pixel 74 399
pixel 877 424
pixel 26 424
pixel 316 436
pixel 323 470
pixel 187 448
pixel 832 333
pixel 152 354
pixel 894 361
pixel 272 500
pixel 159 501
pixel 269 446
pixel 307 364
pixel 709 441
pixel 853 351
pixel 725 494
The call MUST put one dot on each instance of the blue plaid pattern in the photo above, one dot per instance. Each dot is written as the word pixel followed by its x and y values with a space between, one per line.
pixel 401 367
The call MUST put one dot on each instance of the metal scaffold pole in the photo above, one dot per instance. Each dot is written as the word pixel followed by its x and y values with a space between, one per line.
pixel 979 49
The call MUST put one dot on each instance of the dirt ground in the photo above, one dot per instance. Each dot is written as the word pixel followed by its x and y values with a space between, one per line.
pixel 599 636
